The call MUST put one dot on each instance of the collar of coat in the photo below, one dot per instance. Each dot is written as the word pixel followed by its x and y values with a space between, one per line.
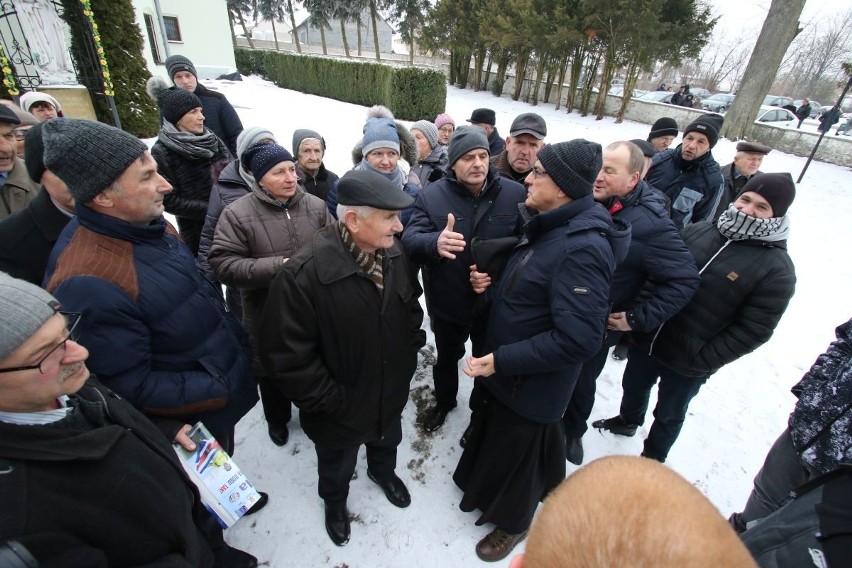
pixel 334 262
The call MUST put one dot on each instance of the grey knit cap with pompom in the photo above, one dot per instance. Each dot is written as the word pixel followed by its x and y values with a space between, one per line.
pixel 88 155
pixel 380 130
pixel 573 165
pixel 24 308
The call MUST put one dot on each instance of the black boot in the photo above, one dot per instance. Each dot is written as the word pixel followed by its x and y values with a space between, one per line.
pixel 279 434
pixel 337 522
pixel 616 425
pixel 574 450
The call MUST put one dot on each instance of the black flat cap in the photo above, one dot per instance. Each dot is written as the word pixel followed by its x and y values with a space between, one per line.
pixel 8 116
pixel 483 116
pixel 647 150
pixel 529 123
pixel 753 148
pixel 362 187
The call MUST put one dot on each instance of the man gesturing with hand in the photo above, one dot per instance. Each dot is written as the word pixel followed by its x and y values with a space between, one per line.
pixel 472 200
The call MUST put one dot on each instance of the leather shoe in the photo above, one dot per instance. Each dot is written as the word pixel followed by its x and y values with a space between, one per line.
pixel 337 522
pixel 279 434
pixel 574 450
pixel 616 425
pixel 260 504
pixel 434 417
pixel 498 544
pixel 231 557
pixel 394 489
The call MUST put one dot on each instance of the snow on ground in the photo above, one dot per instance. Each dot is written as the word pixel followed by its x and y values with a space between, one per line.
pixel 730 427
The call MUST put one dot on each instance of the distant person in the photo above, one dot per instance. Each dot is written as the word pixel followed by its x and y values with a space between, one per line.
pixel 339 335
pixel 16 187
pixel 86 479
pixel 747 280
pixel 27 122
pixel 41 105
pixel 190 156
pixel 219 115
pixel 628 511
pixel 526 138
pixel 745 166
pixel 309 150
pixel 486 119
pixel 662 134
pixel 828 119
pixel 679 96
pixel 803 112
pixel 446 126
pixel 688 174
pixel 431 155
pixel 27 236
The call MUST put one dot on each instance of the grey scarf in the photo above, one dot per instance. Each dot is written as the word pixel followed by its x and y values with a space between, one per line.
pixel 737 226
pixel 188 145
pixel 395 176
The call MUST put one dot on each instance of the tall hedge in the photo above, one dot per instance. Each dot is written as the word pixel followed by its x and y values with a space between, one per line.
pixel 411 93
pixel 123 44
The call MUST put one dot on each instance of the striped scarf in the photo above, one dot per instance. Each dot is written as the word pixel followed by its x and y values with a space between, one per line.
pixel 737 226
pixel 370 263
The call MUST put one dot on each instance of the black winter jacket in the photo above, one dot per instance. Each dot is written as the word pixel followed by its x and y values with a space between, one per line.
pixel 657 255
pixel 551 305
pixel 821 424
pixel 228 188
pixel 101 487
pixel 492 215
pixel 745 289
pixel 220 116
pixel 693 186
pixel 341 351
pixel 318 185
pixel 28 236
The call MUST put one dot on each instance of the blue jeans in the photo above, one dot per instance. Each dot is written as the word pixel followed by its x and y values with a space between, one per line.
pixel 675 393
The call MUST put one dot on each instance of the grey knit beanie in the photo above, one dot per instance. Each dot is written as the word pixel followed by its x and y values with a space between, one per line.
pixel 177 63
pixel 573 165
pixel 429 131
pixel 302 134
pixel 380 132
pixel 251 136
pixel 24 308
pixel 465 139
pixel 88 155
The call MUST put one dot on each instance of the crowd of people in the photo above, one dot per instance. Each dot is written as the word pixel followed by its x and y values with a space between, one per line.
pixel 544 255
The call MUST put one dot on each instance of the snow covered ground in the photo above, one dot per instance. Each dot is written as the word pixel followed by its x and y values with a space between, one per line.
pixel 730 427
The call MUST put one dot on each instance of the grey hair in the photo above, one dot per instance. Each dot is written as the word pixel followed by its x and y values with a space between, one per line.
pixel 361 211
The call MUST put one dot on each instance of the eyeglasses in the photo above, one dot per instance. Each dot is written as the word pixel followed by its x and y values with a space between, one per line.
pixel 447 128
pixel 71 321
pixel 539 172
pixel 20 134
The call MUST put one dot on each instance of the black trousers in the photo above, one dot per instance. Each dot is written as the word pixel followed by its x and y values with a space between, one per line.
pixel 449 342
pixel 336 466
pixel 277 408
pixel 583 400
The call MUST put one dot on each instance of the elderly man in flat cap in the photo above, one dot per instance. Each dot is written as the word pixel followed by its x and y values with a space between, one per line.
pixel 86 479
pixel 16 187
pixel 340 335
pixel 158 333
pixel 745 166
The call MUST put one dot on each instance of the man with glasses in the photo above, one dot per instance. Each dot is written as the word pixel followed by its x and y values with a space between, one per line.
pixel 157 331
pixel 473 200
pixel 16 187
pixel 85 479
pixel 548 318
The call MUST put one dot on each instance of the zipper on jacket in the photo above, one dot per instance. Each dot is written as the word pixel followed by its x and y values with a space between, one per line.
pixel 517 271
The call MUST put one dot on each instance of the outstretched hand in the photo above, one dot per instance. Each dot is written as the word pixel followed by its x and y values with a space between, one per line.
pixel 450 242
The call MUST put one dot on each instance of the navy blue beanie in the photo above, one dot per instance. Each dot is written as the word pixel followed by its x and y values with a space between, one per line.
pixel 261 158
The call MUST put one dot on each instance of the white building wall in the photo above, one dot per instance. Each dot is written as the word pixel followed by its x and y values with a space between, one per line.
pixel 205 34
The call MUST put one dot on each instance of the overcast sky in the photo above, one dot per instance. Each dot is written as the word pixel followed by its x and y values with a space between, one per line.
pixel 748 15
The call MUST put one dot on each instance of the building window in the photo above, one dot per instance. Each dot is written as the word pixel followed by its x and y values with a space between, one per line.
pixel 152 38
pixel 172 28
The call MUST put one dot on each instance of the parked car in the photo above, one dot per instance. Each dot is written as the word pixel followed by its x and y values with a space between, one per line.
pixel 720 102
pixel 777 101
pixel 816 108
pixel 700 92
pixel 618 91
pixel 657 97
pixel 776 116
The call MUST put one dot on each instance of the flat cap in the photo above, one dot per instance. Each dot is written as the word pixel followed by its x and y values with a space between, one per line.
pixel 483 116
pixel 529 123
pixel 8 116
pixel 753 148
pixel 363 187
pixel 647 150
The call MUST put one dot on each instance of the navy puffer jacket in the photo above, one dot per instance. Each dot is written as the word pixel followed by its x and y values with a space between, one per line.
pixel 693 186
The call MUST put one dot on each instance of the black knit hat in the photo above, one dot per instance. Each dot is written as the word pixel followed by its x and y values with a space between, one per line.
pixel 363 187
pixel 708 125
pixel 463 140
pixel 778 189
pixel 261 158
pixel 573 165
pixel 88 155
pixel 177 63
pixel 174 103
pixel 34 153
pixel 663 127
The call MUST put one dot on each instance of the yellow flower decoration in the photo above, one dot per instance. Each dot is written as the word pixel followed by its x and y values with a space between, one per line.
pixel 99 48
pixel 8 77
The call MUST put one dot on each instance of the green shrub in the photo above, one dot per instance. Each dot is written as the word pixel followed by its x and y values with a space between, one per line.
pixel 411 93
